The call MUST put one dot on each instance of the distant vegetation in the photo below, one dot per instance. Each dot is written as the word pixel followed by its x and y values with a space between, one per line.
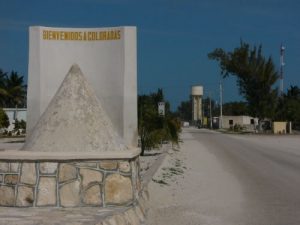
pixel 256 79
pixel 12 95
pixel 153 128
pixel 256 76
pixel 288 108
pixel 12 90
pixel 184 110
pixel 4 122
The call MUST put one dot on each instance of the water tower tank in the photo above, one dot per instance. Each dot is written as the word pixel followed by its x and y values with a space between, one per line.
pixel 197 90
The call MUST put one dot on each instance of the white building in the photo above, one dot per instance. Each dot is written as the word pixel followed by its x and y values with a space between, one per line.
pixel 247 122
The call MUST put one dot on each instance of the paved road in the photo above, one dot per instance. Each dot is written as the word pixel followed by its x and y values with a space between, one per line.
pixel 231 180
pixel 268 170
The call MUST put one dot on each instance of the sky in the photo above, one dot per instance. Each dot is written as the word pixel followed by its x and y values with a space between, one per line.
pixel 174 37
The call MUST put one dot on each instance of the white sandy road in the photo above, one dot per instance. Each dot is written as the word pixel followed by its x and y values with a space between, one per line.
pixel 204 194
pixel 229 180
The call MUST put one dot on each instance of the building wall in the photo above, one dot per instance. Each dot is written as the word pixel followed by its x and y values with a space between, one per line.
pixel 241 120
pixel 279 127
pixel 20 114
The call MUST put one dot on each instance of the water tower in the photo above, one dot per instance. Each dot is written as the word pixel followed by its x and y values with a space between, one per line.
pixel 197 93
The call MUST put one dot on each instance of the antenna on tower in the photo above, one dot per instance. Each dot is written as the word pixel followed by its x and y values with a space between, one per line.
pixel 282 64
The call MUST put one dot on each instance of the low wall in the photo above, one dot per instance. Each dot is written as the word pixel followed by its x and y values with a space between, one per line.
pixel 279 127
pixel 68 181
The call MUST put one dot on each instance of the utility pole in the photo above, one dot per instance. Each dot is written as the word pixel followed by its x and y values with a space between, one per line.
pixel 221 104
pixel 210 114
pixel 282 64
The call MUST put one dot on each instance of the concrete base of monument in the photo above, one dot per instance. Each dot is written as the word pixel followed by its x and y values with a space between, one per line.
pixel 21 155
pixel 41 179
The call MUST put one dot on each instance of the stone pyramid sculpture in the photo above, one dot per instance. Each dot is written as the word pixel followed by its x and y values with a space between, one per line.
pixel 74 121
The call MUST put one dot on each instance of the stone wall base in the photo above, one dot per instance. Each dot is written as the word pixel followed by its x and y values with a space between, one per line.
pixel 136 215
pixel 129 215
pixel 80 183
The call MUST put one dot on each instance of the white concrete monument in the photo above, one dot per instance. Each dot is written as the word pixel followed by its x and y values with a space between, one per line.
pixel 74 121
pixel 106 55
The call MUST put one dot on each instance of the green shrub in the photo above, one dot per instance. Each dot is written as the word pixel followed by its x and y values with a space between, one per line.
pixel 4 121
pixel 20 125
pixel 237 127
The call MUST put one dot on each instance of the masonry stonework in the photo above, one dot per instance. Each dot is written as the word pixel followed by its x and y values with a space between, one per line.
pixel 97 183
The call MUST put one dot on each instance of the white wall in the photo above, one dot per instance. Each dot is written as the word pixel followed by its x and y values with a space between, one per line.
pixel 21 114
pixel 241 120
pixel 106 56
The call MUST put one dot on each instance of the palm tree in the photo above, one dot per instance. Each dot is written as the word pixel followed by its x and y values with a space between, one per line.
pixel 16 91
pixel 3 92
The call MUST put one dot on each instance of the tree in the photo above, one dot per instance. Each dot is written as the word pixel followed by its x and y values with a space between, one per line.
pixel 20 124
pixel 148 123
pixel 3 92
pixel 235 109
pixel 16 90
pixel 255 75
pixel 4 121
pixel 289 107
pixel 12 90
pixel 20 127
pixel 184 110
pixel 206 103
pixel 153 129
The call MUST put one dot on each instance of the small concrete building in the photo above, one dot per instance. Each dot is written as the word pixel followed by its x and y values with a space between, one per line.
pixel 247 122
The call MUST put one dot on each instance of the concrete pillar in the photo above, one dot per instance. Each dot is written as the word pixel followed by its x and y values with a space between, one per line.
pixel 197 93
